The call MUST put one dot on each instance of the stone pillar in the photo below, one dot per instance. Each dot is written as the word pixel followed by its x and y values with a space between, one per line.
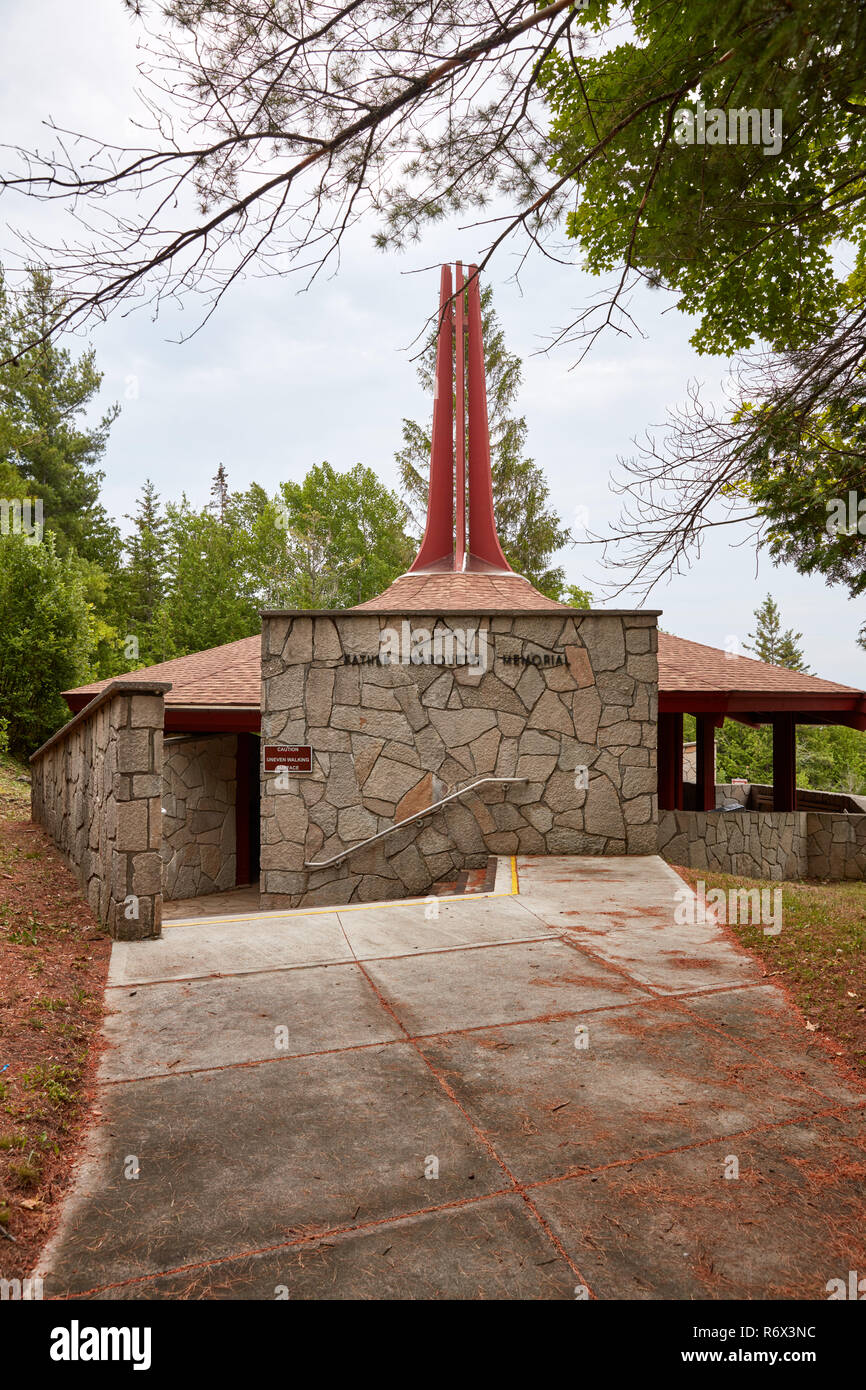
pixel 97 790
pixel 134 780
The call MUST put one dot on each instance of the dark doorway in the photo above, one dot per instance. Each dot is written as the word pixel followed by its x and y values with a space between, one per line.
pixel 248 809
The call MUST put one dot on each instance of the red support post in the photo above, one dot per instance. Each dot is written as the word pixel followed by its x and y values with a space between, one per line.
pixel 670 762
pixel 705 762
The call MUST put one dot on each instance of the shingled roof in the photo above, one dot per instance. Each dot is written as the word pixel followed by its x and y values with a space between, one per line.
pixel 696 679
pixel 227 676
pixel 449 592
pixel 692 676
pixel 685 665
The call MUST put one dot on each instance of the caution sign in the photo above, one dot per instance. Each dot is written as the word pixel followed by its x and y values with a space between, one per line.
pixel 291 757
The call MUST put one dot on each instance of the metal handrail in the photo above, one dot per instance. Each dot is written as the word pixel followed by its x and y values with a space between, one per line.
pixel 417 815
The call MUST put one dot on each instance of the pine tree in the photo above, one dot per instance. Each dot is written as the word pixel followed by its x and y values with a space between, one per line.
pixel 43 392
pixel 47 638
pixel 529 529
pixel 145 577
pixel 576 596
pixel 220 493
pixel 769 643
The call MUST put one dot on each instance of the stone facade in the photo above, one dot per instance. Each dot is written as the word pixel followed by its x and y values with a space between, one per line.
pixel 199 790
pixel 751 844
pixel 835 845
pixel 96 788
pixel 766 844
pixel 558 697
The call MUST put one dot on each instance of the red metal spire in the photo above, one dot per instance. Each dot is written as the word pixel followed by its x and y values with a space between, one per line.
pixel 453 484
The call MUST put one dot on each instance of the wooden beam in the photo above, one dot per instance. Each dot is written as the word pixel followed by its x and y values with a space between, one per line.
pixel 670 762
pixel 784 762
pixel 204 720
pixel 705 762
pixel 827 708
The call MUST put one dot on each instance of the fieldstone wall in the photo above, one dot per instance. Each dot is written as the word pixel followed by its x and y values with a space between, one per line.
pixel 566 702
pixel 756 794
pixel 96 788
pixel 836 845
pixel 751 844
pixel 766 844
pixel 199 794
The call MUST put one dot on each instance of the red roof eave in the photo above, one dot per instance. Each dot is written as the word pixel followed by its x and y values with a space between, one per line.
pixel 836 708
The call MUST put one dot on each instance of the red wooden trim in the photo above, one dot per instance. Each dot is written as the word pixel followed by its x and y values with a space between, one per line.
pixel 784 763
pixel 758 702
pixel 212 721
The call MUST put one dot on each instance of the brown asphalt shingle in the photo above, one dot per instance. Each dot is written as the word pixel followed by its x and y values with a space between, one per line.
pixel 685 665
pixel 231 674
pixel 450 592
pixel 227 675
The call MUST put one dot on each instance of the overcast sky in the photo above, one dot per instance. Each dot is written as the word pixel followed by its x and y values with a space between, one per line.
pixel 278 380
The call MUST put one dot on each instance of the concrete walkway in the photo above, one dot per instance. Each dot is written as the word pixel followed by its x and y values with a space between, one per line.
pixel 527 1096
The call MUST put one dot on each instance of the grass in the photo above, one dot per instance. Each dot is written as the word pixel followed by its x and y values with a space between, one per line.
pixel 819 955
pixel 14 793
pixel 13 1141
pixel 53 1082
pixel 28 1172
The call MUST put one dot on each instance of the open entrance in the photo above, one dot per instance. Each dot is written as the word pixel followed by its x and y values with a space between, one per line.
pixel 211 836
pixel 248 810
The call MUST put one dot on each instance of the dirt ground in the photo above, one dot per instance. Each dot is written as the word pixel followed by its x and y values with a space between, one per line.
pixel 53 963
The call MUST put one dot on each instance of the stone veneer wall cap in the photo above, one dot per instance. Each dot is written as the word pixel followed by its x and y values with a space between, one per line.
pixel 468 612
pixel 123 687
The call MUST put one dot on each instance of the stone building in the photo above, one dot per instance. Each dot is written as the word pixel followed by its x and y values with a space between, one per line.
pixel 367 754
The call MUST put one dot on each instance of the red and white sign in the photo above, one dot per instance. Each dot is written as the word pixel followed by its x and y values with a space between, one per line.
pixel 292 757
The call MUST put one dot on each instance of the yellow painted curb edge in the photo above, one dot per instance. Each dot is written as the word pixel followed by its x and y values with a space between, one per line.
pixel 349 907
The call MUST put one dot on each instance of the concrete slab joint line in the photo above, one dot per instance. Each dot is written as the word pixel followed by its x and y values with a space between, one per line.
pixel 482 1137
pixel 525 1095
